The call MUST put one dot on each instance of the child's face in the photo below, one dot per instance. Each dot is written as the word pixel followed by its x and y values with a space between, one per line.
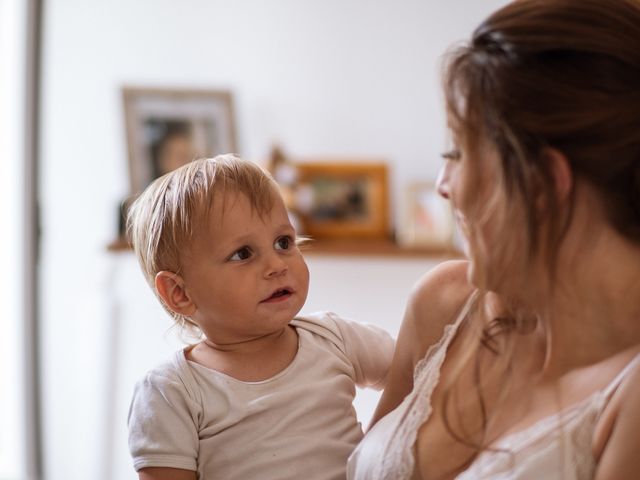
pixel 245 274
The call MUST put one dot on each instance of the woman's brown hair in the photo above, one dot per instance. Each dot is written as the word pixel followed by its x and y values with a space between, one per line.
pixel 552 74
pixel 563 74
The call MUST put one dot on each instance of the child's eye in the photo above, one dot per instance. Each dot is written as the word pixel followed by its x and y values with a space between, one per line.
pixel 283 243
pixel 241 254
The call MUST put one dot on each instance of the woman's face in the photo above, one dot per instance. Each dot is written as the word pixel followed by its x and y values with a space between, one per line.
pixel 454 185
pixel 473 183
pixel 450 185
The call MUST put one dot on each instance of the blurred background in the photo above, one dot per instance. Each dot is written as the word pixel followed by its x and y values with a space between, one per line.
pixel 353 81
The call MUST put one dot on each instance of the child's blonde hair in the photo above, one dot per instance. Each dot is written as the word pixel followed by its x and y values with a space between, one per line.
pixel 164 218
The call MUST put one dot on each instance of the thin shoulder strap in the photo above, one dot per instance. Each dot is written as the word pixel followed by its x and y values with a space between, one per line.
pixel 451 329
pixel 468 304
pixel 464 311
pixel 615 383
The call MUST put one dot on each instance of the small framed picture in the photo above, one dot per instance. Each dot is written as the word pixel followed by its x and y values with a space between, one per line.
pixel 428 221
pixel 168 128
pixel 342 199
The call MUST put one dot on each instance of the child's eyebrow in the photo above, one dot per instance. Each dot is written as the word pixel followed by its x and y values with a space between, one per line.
pixel 285 226
pixel 233 241
pixel 240 240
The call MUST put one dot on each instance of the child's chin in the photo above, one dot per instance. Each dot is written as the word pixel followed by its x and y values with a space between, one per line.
pixel 285 310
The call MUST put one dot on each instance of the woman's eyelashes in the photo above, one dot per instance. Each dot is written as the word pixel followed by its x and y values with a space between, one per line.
pixel 452 155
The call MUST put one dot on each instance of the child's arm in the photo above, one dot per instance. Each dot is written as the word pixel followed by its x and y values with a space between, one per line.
pixel 163 432
pixel 156 473
pixel 369 350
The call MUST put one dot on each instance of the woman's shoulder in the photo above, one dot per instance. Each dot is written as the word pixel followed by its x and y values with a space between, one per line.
pixel 440 293
pixel 446 280
pixel 435 302
pixel 616 433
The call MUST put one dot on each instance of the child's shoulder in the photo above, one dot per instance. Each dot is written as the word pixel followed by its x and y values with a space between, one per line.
pixel 323 324
pixel 165 399
pixel 171 373
pixel 326 324
pixel 339 330
pixel 365 349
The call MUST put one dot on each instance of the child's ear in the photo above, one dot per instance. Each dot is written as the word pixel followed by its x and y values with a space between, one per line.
pixel 172 290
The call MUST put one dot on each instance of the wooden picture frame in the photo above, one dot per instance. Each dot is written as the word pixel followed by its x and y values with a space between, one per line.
pixel 428 219
pixel 343 199
pixel 169 127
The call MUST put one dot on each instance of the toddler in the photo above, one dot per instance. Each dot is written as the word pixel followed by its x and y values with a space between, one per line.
pixel 264 394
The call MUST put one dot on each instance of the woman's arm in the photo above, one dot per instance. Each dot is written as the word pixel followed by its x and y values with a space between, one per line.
pixel 163 473
pixel 433 303
pixel 617 442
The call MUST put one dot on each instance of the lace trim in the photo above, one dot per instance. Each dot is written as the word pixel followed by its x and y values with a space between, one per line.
pixel 565 445
pixel 569 432
pixel 399 463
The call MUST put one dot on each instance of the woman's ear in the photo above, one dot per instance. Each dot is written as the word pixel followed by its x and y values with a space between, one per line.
pixel 171 288
pixel 561 173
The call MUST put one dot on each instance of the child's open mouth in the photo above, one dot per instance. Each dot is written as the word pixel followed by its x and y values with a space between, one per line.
pixel 279 295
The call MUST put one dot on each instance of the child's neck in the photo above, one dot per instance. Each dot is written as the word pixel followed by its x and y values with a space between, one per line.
pixel 249 361
pixel 249 346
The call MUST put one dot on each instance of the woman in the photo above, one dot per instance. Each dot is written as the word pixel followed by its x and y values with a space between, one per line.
pixel 537 373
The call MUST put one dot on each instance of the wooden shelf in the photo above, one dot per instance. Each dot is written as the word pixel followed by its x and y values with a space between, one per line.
pixel 349 247
pixel 119 245
pixel 373 247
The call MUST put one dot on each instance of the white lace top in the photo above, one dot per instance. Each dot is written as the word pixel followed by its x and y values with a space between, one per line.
pixel 556 447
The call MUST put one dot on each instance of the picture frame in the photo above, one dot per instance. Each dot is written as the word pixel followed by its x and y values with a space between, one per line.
pixel 428 221
pixel 166 128
pixel 338 200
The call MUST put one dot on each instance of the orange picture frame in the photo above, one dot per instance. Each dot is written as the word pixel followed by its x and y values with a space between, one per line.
pixel 343 199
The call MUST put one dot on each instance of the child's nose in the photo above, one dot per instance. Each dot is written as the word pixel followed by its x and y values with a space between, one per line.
pixel 276 266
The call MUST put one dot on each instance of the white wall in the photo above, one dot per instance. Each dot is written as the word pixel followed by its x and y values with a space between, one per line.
pixel 344 78
pixel 13 421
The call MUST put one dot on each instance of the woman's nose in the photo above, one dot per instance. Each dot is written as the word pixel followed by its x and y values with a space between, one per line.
pixel 442 183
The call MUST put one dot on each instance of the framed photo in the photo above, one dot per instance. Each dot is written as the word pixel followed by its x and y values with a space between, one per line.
pixel 168 128
pixel 428 221
pixel 342 199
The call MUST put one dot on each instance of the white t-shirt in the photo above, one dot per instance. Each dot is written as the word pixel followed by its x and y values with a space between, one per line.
pixel 299 424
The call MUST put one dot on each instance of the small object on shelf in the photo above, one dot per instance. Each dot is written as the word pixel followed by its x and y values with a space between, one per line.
pixel 122 242
pixel 123 209
pixel 285 173
pixel 428 219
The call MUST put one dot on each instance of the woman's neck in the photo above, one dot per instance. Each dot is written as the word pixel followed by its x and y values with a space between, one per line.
pixel 593 311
